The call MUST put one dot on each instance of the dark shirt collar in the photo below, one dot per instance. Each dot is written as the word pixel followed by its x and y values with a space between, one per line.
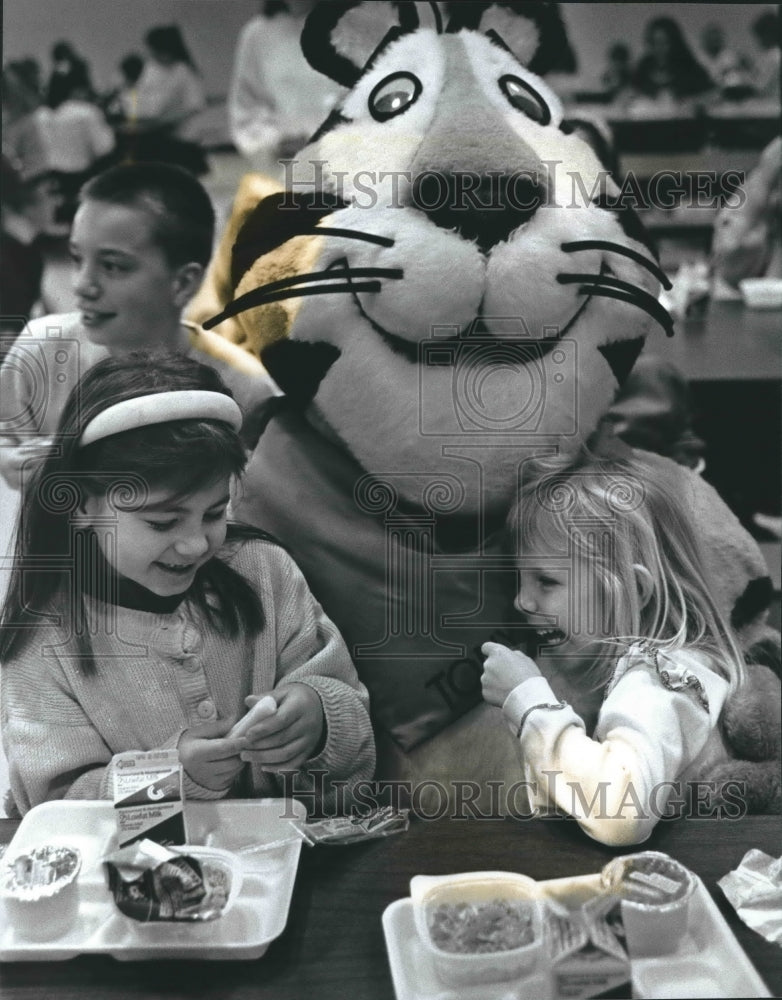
pixel 132 595
pixel 107 585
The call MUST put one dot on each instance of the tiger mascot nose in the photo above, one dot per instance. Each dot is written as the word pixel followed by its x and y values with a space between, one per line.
pixel 487 183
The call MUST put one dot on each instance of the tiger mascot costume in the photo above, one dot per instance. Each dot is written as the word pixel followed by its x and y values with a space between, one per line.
pixel 446 285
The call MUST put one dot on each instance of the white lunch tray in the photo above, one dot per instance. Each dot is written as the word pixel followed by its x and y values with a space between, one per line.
pixel 709 962
pixel 258 915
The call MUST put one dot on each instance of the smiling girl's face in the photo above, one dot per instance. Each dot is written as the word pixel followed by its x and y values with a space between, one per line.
pixel 560 597
pixel 162 544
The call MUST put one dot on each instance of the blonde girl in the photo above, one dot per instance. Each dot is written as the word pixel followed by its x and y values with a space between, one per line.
pixel 138 618
pixel 622 701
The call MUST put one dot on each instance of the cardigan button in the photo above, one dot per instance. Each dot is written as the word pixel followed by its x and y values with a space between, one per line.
pixel 206 709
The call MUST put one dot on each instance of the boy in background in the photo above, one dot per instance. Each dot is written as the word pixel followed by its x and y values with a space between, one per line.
pixel 141 240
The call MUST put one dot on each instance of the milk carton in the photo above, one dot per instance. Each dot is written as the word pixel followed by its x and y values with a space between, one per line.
pixel 148 797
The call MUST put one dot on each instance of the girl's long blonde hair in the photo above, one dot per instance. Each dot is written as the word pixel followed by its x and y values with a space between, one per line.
pixel 609 514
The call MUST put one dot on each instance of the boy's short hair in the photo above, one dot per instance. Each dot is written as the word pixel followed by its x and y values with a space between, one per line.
pixel 183 215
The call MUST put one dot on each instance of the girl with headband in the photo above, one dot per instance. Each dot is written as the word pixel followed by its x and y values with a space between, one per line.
pixel 138 618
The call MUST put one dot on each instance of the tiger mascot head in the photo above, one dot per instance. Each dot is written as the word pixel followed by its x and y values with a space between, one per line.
pixel 447 282
pixel 446 245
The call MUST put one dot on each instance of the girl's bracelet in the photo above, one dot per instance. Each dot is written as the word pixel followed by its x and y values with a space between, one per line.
pixel 533 708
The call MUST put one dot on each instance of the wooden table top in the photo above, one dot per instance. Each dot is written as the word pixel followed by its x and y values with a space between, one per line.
pixel 333 945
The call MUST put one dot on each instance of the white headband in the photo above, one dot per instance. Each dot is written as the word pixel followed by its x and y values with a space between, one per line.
pixel 159 408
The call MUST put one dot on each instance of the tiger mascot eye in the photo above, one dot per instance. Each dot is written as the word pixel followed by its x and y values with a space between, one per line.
pixel 446 285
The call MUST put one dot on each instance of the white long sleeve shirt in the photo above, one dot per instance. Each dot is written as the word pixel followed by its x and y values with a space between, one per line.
pixel 658 725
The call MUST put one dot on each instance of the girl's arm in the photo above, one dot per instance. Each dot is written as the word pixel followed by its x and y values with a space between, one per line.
pixel 652 725
pixel 312 652
pixel 53 750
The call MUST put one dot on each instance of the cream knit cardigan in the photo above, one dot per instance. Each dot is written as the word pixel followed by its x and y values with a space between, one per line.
pixel 159 674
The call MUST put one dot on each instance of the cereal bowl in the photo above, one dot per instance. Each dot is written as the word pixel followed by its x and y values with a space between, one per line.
pixel 479 927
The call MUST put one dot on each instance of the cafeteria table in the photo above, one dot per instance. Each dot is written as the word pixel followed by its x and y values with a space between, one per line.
pixel 333 946
pixel 729 342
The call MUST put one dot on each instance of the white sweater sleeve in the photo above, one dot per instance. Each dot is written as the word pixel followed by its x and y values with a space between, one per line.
pixel 651 726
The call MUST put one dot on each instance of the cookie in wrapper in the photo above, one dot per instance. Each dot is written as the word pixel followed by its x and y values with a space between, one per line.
pixel 151 882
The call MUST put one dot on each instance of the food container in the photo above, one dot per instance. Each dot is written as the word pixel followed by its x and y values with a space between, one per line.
pixel 479 927
pixel 655 893
pixel 220 866
pixel 709 961
pixel 41 890
pixel 246 927
pixel 762 293
pixel 187 883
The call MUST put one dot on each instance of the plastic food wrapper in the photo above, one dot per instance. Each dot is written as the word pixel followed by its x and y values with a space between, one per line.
pixel 381 822
pixel 586 948
pixel 151 882
pixel 754 890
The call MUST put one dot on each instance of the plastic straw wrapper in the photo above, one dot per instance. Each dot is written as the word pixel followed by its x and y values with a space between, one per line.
pixel 381 822
pixel 754 890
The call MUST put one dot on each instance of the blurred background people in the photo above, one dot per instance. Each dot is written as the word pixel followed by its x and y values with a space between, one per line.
pixel 65 63
pixel 668 71
pixel 23 139
pixel 728 69
pixel 618 74
pixel 169 97
pixel 276 101
pixel 121 102
pixel 767 62
pixel 77 136
pixel 20 252
pixel 747 241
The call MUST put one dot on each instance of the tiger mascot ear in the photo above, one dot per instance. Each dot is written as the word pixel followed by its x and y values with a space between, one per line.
pixel 340 39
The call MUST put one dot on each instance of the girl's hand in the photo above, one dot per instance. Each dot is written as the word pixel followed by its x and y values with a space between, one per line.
pixel 288 738
pixel 211 761
pixel 504 670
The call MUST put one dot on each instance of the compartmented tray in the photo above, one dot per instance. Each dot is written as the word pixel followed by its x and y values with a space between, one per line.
pixel 708 963
pixel 258 915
